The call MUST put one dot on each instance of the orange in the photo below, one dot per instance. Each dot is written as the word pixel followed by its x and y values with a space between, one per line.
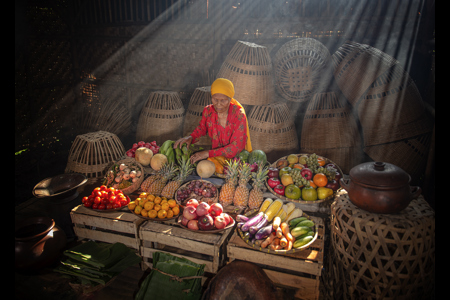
pixel 165 206
pixel 172 203
pixel 151 197
pixel 312 184
pixel 321 161
pixel 143 195
pixel 176 210
pixel 144 213
pixel 131 205
pixel 149 205
pixel 157 200
pixel 298 166
pixel 162 214
pixel 163 201
pixel 157 207
pixel 169 213
pixel 152 214
pixel 320 179
pixel 163 198
pixel 137 200
pixel 138 209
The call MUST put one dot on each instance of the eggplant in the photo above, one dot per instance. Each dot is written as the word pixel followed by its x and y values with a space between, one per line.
pixel 239 225
pixel 264 232
pixel 241 218
pixel 262 223
pixel 253 221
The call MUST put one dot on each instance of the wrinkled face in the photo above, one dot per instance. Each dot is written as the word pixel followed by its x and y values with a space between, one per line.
pixel 221 102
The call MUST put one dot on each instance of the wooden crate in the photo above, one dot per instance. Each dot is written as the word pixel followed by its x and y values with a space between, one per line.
pixel 300 271
pixel 111 227
pixel 168 236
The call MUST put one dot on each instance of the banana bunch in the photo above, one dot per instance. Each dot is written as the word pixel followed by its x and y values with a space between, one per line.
pixel 175 155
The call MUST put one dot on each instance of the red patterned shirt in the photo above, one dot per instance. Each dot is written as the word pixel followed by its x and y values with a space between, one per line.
pixel 228 141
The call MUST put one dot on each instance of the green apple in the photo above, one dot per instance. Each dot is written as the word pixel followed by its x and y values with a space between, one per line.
pixel 285 170
pixel 309 193
pixel 292 192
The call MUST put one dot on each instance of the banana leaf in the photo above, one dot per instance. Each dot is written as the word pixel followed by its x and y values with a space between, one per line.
pixel 169 279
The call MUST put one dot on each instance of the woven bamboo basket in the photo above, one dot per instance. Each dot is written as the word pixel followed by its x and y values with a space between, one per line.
pixel 392 109
pixel 161 118
pixel 357 66
pixel 199 99
pixel 411 154
pixel 249 67
pixel 272 130
pixel 330 128
pixel 91 154
pixel 297 68
pixel 379 256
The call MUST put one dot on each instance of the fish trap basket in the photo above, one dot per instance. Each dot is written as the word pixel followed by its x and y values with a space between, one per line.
pixel 297 67
pixel 392 109
pixel 410 154
pixel 249 67
pixel 161 118
pixel 330 128
pixel 92 153
pixel 380 256
pixel 272 130
pixel 199 99
pixel 357 66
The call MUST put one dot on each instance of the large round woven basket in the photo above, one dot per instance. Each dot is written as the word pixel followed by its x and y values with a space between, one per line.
pixel 330 128
pixel 272 130
pixel 249 67
pixel 161 118
pixel 357 66
pixel 297 68
pixel 379 256
pixel 199 99
pixel 91 154
pixel 392 109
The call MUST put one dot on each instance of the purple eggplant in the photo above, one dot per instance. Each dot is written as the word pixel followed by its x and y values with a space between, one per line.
pixel 262 223
pixel 241 218
pixel 264 232
pixel 253 221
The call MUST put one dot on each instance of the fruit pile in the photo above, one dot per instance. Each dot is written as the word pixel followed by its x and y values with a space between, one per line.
pixel 304 177
pixel 277 226
pixel 105 198
pixel 121 176
pixel 152 146
pixel 198 189
pixel 155 207
pixel 202 216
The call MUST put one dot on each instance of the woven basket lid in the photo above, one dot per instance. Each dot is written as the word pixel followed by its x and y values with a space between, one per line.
pixel 297 68
pixel 249 67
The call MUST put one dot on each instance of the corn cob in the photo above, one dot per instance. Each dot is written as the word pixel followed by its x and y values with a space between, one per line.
pixel 282 214
pixel 273 209
pixel 265 204
pixel 297 212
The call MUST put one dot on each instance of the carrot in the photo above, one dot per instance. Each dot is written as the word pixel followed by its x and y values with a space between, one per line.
pixel 289 237
pixel 268 240
pixel 276 223
pixel 285 229
pixel 283 241
pixel 289 245
pixel 279 233
pixel 275 247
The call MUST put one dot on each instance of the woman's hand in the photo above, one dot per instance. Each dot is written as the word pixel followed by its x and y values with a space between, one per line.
pixel 179 143
pixel 199 156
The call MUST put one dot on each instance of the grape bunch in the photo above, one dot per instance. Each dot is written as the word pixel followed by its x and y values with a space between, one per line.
pixel 329 172
pixel 298 179
pixel 313 163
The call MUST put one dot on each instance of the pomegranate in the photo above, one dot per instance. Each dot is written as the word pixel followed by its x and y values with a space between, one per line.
pixel 202 209
pixel 190 213
pixel 193 224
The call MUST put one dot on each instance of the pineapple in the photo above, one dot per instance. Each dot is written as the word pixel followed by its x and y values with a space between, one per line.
pixel 186 169
pixel 166 173
pixel 242 193
pixel 256 194
pixel 145 185
pixel 228 189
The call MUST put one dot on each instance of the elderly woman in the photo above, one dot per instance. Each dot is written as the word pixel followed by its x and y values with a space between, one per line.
pixel 224 121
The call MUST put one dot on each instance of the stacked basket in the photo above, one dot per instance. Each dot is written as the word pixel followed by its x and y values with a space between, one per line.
pixel 161 118
pixel 297 68
pixel 329 128
pixel 199 99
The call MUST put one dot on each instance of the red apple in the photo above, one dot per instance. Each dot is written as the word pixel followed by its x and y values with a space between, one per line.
pixel 193 224
pixel 202 209
pixel 190 213
pixel 216 209
pixel 273 172
pixel 184 221
pixel 279 189
pixel 206 222
pixel 192 202
pixel 227 218
pixel 333 184
pixel 220 222
pixel 273 182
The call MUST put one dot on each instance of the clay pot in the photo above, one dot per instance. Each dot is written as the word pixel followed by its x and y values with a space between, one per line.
pixel 38 243
pixel 380 187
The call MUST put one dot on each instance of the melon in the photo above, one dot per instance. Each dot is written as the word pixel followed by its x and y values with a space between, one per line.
pixel 143 156
pixel 257 156
pixel 244 155
pixel 205 168
pixel 158 160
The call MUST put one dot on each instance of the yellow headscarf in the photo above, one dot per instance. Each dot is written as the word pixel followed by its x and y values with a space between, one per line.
pixel 226 87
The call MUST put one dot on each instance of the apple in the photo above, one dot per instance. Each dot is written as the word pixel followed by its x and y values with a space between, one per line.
pixel 202 209
pixel 279 189
pixel 206 222
pixel 220 222
pixel 192 202
pixel 285 170
pixel 216 209
pixel 292 192
pixel 273 182
pixel 190 213
pixel 193 224
pixel 184 221
pixel 307 173
pixel 227 218
pixel 333 184
pixel 273 172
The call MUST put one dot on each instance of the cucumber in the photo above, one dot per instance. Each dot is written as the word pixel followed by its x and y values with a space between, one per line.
pixel 295 221
pixel 303 241
pixel 300 230
pixel 309 233
pixel 307 223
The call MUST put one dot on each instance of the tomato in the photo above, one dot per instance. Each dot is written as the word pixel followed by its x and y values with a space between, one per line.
pixel 112 199
pixel 97 193
pixel 84 200
pixel 88 204
pixel 95 205
pixel 101 206
pixel 97 200
pixel 103 188
pixel 123 202
pixel 109 206
pixel 116 205
pixel 105 201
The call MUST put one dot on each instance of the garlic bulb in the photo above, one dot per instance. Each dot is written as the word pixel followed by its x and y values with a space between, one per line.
pixel 118 179
pixel 133 174
pixel 126 176
pixel 122 167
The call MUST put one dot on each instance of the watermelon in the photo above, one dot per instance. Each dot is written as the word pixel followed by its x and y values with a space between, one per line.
pixel 257 156
pixel 243 155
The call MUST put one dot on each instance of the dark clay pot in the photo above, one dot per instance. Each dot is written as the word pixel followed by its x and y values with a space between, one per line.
pixel 380 187
pixel 39 243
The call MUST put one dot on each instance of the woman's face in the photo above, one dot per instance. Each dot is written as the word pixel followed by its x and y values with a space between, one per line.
pixel 221 102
